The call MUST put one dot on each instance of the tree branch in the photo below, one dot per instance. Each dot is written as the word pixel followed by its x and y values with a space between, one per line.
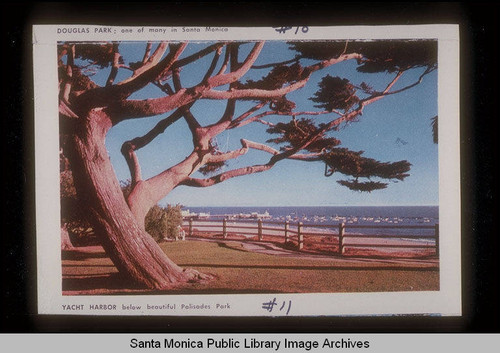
pixel 224 121
pixel 213 64
pixel 154 68
pixel 142 108
pixel 176 79
pixel 419 81
pixel 272 112
pixel 193 124
pixel 238 120
pixel 196 56
pixel 69 74
pixel 219 178
pixel 130 109
pixel 191 121
pixel 225 63
pixel 145 58
pixel 180 174
pixel 308 157
pixel 253 93
pixel 115 66
pixel 263 122
pixel 266 66
pixel 65 111
pixel 224 79
pixel 214 158
pixel 270 94
pixel 150 107
pixel 128 152
pixel 164 87
pixel 129 147
pixel 102 96
pixel 148 62
pixel 277 156
pixel 346 117
pixel 139 142
pixel 330 62
pixel 373 98
pixel 393 82
pixel 226 118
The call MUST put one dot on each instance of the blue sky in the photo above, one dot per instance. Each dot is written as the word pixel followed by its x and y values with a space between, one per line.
pixel 392 129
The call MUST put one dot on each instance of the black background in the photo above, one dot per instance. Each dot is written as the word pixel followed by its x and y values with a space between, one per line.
pixel 479 150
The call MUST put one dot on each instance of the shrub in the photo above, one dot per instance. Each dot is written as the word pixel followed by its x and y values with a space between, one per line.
pixel 163 222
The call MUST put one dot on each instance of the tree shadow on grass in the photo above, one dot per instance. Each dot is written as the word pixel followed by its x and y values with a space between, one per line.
pixel 194 291
pixel 114 284
pixel 108 282
pixel 315 268
pixel 291 249
pixel 87 265
pixel 97 282
pixel 78 255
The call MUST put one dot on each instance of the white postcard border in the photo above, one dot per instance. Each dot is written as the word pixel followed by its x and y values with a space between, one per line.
pixel 446 301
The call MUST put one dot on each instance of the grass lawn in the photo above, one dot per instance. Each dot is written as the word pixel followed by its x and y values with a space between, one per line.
pixel 239 271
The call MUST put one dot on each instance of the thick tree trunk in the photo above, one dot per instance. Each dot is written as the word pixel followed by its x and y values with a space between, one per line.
pixel 132 250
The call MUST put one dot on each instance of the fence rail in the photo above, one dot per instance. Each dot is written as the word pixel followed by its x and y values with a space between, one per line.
pixel 295 232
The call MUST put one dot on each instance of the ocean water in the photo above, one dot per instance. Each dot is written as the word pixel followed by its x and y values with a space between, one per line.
pixel 379 217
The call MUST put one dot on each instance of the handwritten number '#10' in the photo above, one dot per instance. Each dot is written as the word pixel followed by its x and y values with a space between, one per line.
pixel 304 29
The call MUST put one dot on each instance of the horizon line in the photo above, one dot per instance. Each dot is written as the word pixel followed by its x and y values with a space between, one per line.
pixel 312 205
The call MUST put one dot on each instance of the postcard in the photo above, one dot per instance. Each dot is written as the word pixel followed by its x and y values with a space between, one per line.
pixel 264 171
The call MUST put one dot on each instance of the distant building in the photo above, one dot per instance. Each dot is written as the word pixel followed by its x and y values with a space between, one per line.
pixel 194 215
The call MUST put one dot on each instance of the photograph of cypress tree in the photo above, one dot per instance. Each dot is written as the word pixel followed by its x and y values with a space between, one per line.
pixel 289 101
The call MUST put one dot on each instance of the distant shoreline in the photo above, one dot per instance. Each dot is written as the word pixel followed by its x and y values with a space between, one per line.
pixel 333 215
pixel 306 206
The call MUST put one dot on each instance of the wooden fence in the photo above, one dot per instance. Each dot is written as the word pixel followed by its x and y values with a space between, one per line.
pixel 297 232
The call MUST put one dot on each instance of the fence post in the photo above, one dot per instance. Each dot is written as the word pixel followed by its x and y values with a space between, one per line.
pixel 190 227
pixel 287 224
pixel 224 228
pixel 259 224
pixel 300 236
pixel 341 238
pixel 436 234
